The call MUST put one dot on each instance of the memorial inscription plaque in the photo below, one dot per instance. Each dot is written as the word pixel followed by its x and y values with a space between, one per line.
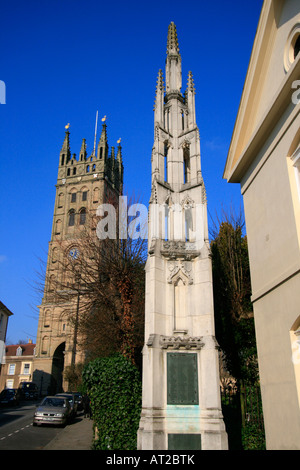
pixel 182 379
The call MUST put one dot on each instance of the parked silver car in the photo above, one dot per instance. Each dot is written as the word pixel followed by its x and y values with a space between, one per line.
pixel 53 410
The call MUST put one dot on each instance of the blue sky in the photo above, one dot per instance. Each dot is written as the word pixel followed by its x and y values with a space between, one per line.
pixel 63 60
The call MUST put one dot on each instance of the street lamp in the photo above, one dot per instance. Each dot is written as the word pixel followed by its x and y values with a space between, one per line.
pixel 78 278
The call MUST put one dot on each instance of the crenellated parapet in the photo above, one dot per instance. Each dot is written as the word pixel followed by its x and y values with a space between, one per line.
pixel 105 163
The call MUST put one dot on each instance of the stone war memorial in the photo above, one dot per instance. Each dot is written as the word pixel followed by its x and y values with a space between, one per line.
pixel 181 405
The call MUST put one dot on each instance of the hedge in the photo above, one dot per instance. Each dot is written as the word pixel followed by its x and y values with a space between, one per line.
pixel 115 391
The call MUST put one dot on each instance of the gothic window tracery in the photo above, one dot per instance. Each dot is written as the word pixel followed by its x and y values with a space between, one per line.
pixel 166 162
pixel 188 221
pixel 82 216
pixel 71 221
pixel 186 165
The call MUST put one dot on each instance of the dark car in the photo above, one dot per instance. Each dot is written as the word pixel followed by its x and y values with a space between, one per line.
pixel 29 390
pixel 53 410
pixel 79 401
pixel 10 397
pixel 71 398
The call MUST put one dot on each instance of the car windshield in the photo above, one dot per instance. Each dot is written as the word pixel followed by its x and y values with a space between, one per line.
pixel 7 392
pixel 53 402
pixel 69 398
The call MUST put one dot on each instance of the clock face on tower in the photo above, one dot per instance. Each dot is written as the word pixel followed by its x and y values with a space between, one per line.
pixel 74 253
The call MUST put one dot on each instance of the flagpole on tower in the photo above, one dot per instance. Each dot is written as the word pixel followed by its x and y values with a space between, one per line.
pixel 95 134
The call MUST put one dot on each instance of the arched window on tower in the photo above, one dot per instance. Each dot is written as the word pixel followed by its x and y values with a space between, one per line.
pixel 166 163
pixel 82 216
pixel 186 165
pixel 71 221
pixel 188 220
pixel 96 195
pixel 47 318
pixel 63 323
pixel 167 222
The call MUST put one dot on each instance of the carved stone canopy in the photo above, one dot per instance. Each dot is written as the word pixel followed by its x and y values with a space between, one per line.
pixel 185 342
pixel 178 270
pixel 178 342
pixel 173 249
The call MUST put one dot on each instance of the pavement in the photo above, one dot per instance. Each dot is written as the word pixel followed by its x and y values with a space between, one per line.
pixel 77 435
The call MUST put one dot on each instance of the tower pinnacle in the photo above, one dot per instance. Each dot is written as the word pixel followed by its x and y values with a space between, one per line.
pixel 172 43
pixel 159 99
pixel 65 153
pixel 103 145
pixel 173 61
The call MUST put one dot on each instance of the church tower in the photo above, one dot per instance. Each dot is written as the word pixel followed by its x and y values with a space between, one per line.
pixel 181 406
pixel 83 184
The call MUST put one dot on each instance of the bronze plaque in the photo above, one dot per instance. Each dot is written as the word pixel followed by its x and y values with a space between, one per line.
pixel 184 441
pixel 182 379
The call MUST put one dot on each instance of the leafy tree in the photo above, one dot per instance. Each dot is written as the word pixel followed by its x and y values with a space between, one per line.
pixel 73 374
pixel 234 318
pixel 235 330
pixel 101 290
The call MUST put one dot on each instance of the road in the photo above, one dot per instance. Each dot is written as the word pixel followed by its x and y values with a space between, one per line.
pixel 17 432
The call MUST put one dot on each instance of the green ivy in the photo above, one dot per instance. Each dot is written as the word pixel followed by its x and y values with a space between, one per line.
pixel 115 390
pixel 253 437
